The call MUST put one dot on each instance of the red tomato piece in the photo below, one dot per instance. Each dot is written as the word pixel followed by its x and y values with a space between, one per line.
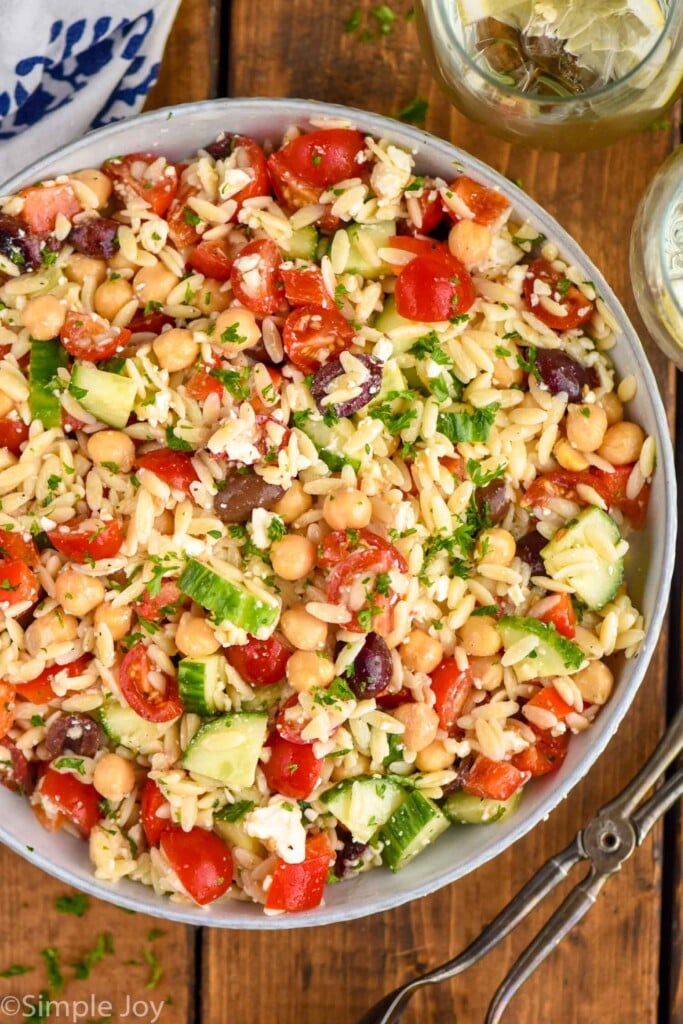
pixel 578 308
pixel 13 433
pixel 292 768
pixel 175 468
pixel 160 606
pixel 212 259
pixel 7 700
pixel 561 615
pixel 339 544
pixel 312 335
pixel 249 157
pixel 202 862
pixel 40 691
pixel 260 662
pixel 451 686
pixel 321 158
pixel 255 277
pixel 416 246
pixel 18 583
pixel 431 209
pixel 144 698
pixel 370 563
pixel 545 755
pixel 257 399
pixel 300 886
pixel 80 540
pixel 14 546
pixel 182 220
pixel 291 721
pixel 130 174
pixel 151 800
pixel 77 801
pixel 434 287
pixel 201 384
pixel 149 323
pixel 493 780
pixel 304 286
pixel 610 486
pixel 485 204
pixel 388 701
pixel 548 699
pixel 43 204
pixel 84 337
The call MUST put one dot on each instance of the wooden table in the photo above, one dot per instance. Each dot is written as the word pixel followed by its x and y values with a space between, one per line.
pixel 623 964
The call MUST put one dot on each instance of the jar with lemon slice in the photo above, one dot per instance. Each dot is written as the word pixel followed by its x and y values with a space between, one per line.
pixel 560 74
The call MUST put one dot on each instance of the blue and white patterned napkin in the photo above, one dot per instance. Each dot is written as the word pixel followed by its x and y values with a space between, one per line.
pixel 72 65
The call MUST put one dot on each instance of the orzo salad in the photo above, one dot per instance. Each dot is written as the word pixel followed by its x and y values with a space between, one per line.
pixel 315 494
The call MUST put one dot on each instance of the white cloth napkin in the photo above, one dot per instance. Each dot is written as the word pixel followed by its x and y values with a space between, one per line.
pixel 72 65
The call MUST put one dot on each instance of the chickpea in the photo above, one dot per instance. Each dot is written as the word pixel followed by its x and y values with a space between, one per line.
pixel 586 426
pixel 434 758
pixel 111 296
pixel 480 637
pixel 153 284
pixel 359 765
pixel 175 349
pixel 79 267
pixel 51 628
pixel 194 637
pixel 622 443
pixel 293 503
pixel 347 508
pixel 496 546
pixel 487 673
pixel 293 557
pixel 568 457
pixel 613 407
pixel 77 593
pixel 120 262
pixel 97 182
pixel 114 777
pixel 421 652
pixel 303 630
pixel 213 297
pixel 469 242
pixel 165 523
pixel 307 670
pixel 236 329
pixel 595 682
pixel 112 447
pixel 44 316
pixel 421 725
pixel 117 619
pixel 504 375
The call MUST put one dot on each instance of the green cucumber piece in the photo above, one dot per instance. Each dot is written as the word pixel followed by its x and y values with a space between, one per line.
pixel 597 586
pixel 412 827
pixel 390 319
pixel 200 681
pixel 302 244
pixel 464 809
pixel 364 804
pixel 227 749
pixel 248 606
pixel 125 727
pixel 264 698
pixel 107 396
pixel 46 358
pixel 235 835
pixel 553 656
pixel 378 235
pixel 330 443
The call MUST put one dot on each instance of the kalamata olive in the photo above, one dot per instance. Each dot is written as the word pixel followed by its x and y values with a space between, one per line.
pixel 559 372
pixel 371 672
pixel 241 494
pixel 349 857
pixel 461 771
pixel 493 498
pixel 73 732
pixel 323 384
pixel 16 771
pixel 20 247
pixel 529 550
pixel 221 147
pixel 95 237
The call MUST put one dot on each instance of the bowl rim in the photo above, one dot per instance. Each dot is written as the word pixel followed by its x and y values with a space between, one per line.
pixel 428 145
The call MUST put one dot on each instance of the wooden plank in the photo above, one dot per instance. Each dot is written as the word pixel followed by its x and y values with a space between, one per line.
pixel 336 973
pixel 189 70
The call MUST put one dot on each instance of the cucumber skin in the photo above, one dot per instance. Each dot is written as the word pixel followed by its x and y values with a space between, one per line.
pixel 237 776
pixel 381 805
pixel 147 732
pixel 196 691
pixel 235 604
pixel 46 358
pixel 109 396
pixel 585 583
pixel 464 809
pixel 571 653
pixel 416 823
pixel 302 244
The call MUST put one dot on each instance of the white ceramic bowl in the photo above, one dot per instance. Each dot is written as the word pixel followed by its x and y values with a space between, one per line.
pixel 177 132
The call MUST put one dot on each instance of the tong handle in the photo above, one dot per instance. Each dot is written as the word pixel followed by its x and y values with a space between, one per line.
pixel 666 751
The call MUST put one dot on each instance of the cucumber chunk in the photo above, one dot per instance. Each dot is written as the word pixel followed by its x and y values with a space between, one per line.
pixel 107 396
pixel 412 827
pixel 302 244
pixel 390 319
pixel 368 236
pixel 46 358
pixel 588 539
pixel 227 749
pixel 554 655
pixel 464 809
pixel 330 441
pixel 124 726
pixel 364 804
pixel 249 606
pixel 200 682
pixel 235 835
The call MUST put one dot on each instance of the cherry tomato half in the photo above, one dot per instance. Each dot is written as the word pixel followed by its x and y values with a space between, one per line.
pixel 149 323
pixel 151 800
pixel 181 219
pixel 84 337
pixel 40 690
pixel 14 546
pixel 292 768
pixel 312 335
pixel 434 287
pixel 451 686
pixel 545 755
pixel 562 615
pixel 610 486
pixel 416 246
pixel 373 564
pixel 485 204
pixel 548 699
pixel 292 720
pixel 131 174
pixel 155 607
pixel 212 259
pixel 260 662
pixel 578 308
pixel 80 540
pixel 202 862
pixel 339 544
pixel 7 699
pixel 174 468
pixel 304 286
pixel 13 433
pixel 249 157
pixel 321 158
pixel 431 209
pixel 18 583
pixel 493 780
pixel 300 886
pixel 255 277
pixel 144 698
pixel 78 801
pixel 42 206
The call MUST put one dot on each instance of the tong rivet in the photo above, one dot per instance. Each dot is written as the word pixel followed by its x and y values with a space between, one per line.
pixel 610 841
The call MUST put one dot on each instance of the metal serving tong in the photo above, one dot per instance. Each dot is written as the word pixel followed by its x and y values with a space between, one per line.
pixel 605 842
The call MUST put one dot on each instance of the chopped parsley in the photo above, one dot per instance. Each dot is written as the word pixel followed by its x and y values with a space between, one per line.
pixel 76 904
pixel 175 443
pixel 233 812
pixel 480 478
pixel 467 423
pixel 430 347
pixel 190 217
pixel 528 362
pixel 276 529
pixel 55 978
pixel 414 112
pixel 395 420
pixel 236 382
pixel 103 945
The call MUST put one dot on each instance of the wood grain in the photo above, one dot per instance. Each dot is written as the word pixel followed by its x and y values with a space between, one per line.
pixel 189 70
